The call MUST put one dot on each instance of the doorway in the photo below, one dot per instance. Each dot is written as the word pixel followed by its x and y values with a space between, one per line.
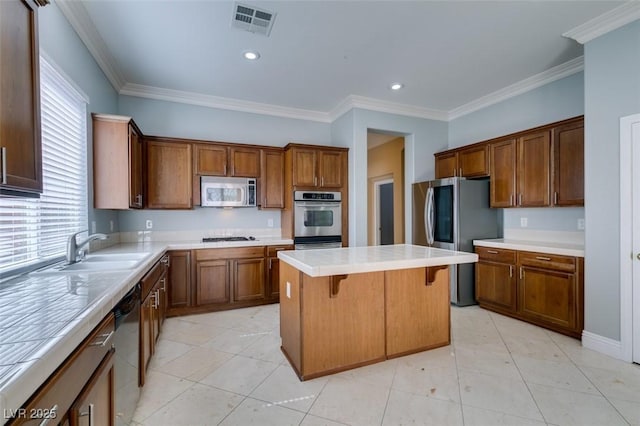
pixel 630 241
pixel 384 212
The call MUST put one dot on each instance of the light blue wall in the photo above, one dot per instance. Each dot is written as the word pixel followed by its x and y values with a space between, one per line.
pixel 612 91
pixel 60 43
pixel 180 120
pixel 555 101
pixel 423 138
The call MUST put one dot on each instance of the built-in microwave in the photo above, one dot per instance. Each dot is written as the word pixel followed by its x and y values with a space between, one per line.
pixel 227 192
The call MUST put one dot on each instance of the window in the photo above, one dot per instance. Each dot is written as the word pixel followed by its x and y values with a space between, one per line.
pixel 35 231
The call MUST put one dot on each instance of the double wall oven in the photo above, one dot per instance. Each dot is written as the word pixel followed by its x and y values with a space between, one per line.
pixel 317 219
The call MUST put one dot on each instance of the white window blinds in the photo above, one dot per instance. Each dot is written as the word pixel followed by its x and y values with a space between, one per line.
pixel 34 231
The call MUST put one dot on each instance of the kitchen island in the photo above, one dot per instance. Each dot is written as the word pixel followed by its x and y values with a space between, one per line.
pixel 348 307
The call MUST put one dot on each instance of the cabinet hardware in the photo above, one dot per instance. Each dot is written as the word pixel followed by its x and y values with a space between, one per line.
pixel 460 174
pixel 164 284
pixel 3 154
pixel 555 198
pixel 105 338
pixel 322 181
pixel 52 415
pixel 269 263
pixel 89 413
pixel 521 273
pixel 166 260
pixel 492 251
pixel 225 170
pixel 454 172
pixel 315 181
pixel 520 199
pixel 510 271
pixel 511 198
pixel 543 258
pixel 139 200
pixel 154 300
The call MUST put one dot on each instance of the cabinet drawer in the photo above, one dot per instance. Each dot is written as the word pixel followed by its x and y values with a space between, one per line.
pixel 151 278
pixel 229 253
pixel 272 251
pixel 55 396
pixel 547 261
pixel 496 255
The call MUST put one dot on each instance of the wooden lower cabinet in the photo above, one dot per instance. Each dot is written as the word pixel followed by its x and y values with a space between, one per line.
pixel 546 290
pixel 153 308
pixel 273 270
pixel 248 279
pixel 417 311
pixel 86 376
pixel 179 281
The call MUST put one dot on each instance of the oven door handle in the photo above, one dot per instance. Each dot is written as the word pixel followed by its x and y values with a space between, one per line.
pixel 316 204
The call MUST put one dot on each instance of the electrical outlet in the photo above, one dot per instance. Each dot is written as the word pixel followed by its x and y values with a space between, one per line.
pixel 93 226
pixel 523 222
pixel 288 290
pixel 270 223
pixel 111 225
pixel 149 224
pixel 581 224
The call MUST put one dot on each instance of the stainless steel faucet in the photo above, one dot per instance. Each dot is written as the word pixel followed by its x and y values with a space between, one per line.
pixel 74 248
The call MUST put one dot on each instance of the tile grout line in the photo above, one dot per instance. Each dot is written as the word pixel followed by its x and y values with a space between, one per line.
pixel 386 405
pixel 455 356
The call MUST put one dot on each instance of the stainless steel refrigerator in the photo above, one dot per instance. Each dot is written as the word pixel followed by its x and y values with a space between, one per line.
pixel 450 214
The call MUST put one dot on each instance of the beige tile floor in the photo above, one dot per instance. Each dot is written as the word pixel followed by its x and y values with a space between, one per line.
pixel 226 368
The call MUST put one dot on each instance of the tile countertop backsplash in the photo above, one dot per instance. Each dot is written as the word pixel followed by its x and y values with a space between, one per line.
pixel 45 316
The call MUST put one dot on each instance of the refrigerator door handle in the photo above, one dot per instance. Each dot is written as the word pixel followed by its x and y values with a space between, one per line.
pixel 430 216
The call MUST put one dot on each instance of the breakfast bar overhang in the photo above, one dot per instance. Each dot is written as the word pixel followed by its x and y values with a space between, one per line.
pixel 347 307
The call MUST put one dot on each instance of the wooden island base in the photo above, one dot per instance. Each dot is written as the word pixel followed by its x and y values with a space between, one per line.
pixel 334 323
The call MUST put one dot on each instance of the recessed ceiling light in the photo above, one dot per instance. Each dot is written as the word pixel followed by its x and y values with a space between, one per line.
pixel 396 86
pixel 251 55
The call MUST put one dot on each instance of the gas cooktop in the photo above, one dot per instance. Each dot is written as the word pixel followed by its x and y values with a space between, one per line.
pixel 218 239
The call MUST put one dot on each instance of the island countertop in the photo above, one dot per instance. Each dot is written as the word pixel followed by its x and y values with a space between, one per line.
pixel 350 260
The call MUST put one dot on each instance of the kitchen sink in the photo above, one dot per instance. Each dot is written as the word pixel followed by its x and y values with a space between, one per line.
pixel 98 263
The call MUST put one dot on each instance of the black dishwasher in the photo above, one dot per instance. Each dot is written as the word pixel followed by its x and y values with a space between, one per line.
pixel 127 343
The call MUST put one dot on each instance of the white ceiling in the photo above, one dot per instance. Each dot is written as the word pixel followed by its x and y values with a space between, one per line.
pixel 448 54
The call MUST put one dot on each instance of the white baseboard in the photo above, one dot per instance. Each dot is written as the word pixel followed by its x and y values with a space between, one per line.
pixel 605 345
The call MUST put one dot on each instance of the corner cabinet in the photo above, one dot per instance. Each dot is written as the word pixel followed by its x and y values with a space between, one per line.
pixel 540 288
pixel 169 175
pixel 20 131
pixel 117 163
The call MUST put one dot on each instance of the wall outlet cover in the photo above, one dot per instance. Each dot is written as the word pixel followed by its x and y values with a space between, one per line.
pixel 581 224
pixel 93 226
pixel 149 224
pixel 524 222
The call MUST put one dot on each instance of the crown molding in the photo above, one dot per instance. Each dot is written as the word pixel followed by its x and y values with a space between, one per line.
pixel 552 74
pixel 77 15
pixel 211 101
pixel 609 21
pixel 354 101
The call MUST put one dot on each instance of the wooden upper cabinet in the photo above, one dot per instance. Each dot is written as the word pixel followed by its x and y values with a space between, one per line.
pixel 568 164
pixel 467 162
pixel 304 167
pixel 244 162
pixel 20 141
pixel 503 173
pixel 474 161
pixel 272 179
pixel 446 164
pixel 330 165
pixel 168 174
pixel 117 163
pixel 533 169
pixel 209 160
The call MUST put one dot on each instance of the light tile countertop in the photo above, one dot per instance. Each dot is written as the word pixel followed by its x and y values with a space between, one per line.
pixel 576 250
pixel 45 316
pixel 350 260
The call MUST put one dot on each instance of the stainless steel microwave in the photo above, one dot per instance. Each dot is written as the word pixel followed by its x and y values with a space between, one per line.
pixel 227 192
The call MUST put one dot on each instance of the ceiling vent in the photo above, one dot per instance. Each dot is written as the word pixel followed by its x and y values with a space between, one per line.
pixel 252 19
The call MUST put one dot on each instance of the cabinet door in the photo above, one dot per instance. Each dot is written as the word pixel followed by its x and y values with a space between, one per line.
pixel 248 279
pixel 446 165
pixel 20 96
pixel 179 284
pixel 95 405
pixel 212 282
pixel 273 278
pixel 135 169
pixel 146 336
pixel 503 173
pixel 272 180
pixel 548 296
pixel 210 160
pixel 474 162
pixel 496 285
pixel 533 169
pixel 330 164
pixel 168 175
pixel 245 162
pixel 568 164
pixel 417 309
pixel 304 167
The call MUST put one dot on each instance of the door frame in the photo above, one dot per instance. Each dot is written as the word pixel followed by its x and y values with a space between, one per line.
pixel 381 180
pixel 627 284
